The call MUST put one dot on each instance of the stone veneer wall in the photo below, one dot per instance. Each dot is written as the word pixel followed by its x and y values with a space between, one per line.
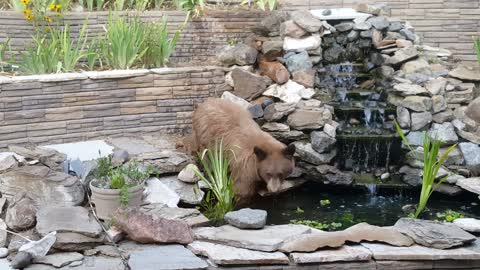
pixel 199 42
pixel 448 24
pixel 61 108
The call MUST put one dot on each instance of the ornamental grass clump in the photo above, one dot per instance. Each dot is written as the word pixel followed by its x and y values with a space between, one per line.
pixel 124 43
pixel 71 51
pixel 219 199
pixel 431 165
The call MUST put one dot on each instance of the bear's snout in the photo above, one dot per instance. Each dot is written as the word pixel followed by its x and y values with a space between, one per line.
pixel 274 185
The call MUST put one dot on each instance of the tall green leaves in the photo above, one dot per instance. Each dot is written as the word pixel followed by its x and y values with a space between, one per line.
pixel 124 42
pixel 476 42
pixel 3 53
pixel 431 165
pixel 159 46
pixel 220 197
pixel 71 51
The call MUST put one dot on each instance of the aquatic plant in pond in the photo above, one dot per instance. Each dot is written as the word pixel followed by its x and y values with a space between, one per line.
pixel 431 165
pixel 219 199
pixel 449 215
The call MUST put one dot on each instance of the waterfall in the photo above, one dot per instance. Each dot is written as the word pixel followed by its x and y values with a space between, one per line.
pixel 368 116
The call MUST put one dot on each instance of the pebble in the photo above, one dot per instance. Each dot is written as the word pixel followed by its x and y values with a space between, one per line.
pixel 3 252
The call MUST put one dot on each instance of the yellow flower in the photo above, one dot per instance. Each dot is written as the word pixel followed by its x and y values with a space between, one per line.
pixel 27 11
pixel 25 2
pixel 48 19
pixel 28 17
pixel 55 8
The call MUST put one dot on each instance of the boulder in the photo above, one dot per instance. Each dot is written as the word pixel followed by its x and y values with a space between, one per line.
pixel 443 132
pixel 248 85
pixel 306 153
pixel 291 29
pixel 188 174
pixel 247 218
pixel 439 104
pixel 433 234
pixel 403 55
pixel 344 27
pixel 466 73
pixel 471 153
pixel 470 184
pixel 417 66
pixel 227 255
pixel 305 77
pixel 290 92
pixel 417 103
pixel 74 219
pixel 307 21
pixel 407 89
pixel 275 127
pixel 268 239
pixel 468 224
pixel 302 44
pixel 191 216
pixel 43 186
pixel 274 70
pixel 46 156
pixel 379 23
pixel 321 142
pixel 333 176
pixel 270 25
pixel 146 228
pixel 277 111
pixel 436 86
pixel 188 193
pixel 21 212
pixel 237 100
pixel 362 26
pixel 8 162
pixel 472 111
pixel 411 176
pixel 273 48
pixel 421 120
pixel 357 233
pixel 240 54
pixel 166 257
pixel 403 117
pixel 165 161
pixel 303 119
pixel 297 61
pixel 442 117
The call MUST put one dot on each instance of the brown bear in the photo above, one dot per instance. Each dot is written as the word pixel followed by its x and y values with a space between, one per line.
pixel 258 160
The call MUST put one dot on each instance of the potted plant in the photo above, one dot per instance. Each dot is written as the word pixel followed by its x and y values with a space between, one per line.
pixel 113 188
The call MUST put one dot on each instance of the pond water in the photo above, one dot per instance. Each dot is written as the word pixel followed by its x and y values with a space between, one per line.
pixel 350 205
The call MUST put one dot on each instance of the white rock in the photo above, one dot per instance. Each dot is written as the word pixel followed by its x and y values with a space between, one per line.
pixel 468 224
pixel 290 92
pixel 158 192
pixel 3 253
pixel 188 175
pixel 87 150
pixel 226 255
pixel 330 130
pixel 237 100
pixel 302 44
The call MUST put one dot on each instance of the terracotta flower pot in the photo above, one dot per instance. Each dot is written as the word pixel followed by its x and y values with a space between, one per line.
pixel 107 201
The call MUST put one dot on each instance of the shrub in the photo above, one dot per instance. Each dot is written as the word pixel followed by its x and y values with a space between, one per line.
pixel 195 6
pixel 124 42
pixel 220 197
pixel 431 165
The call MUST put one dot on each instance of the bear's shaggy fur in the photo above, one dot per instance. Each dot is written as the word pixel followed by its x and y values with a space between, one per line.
pixel 258 159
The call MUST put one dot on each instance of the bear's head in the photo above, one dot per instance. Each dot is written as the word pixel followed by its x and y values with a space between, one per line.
pixel 274 165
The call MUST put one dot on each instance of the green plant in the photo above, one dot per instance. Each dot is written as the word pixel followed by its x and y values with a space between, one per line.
pixel 324 202
pixel 71 51
pixel 133 173
pixel 91 5
pixel 476 42
pixel 266 4
pixel 431 165
pixel 141 4
pixel 123 45
pixel 158 3
pixel 4 46
pixel 104 167
pixel 117 179
pixel 220 197
pixel 93 55
pixel 158 46
pixel 318 225
pixel 299 210
pixel 195 6
pixel 43 57
pixel 449 215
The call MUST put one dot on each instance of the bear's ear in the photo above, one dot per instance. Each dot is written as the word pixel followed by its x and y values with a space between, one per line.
pixel 289 151
pixel 261 155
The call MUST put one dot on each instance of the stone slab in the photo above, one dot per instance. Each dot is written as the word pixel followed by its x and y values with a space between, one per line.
pixel 60 259
pixel 342 254
pixel 339 14
pixel 86 150
pixel 416 252
pixel 170 257
pixel 268 239
pixel 226 255
pixel 67 219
